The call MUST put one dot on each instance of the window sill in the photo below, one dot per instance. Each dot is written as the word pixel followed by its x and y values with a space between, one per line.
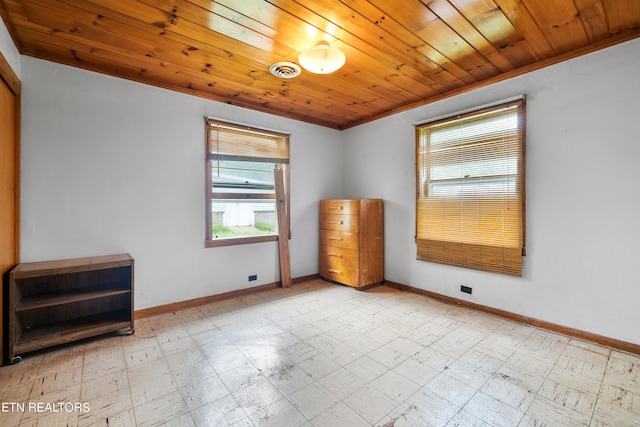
pixel 231 241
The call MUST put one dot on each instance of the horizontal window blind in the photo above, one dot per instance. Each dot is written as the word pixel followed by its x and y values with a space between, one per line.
pixel 231 142
pixel 470 195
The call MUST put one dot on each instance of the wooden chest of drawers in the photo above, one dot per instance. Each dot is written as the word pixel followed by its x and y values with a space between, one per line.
pixel 352 241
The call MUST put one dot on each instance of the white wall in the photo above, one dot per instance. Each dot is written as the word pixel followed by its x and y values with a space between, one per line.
pixel 111 166
pixel 8 49
pixel 583 149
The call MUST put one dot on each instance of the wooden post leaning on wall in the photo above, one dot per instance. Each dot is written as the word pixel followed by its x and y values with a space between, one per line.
pixel 283 229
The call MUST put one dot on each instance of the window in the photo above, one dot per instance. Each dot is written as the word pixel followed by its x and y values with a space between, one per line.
pixel 240 190
pixel 470 195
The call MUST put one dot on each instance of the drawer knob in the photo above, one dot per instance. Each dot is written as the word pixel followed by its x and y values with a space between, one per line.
pixel 339 208
pixel 335 255
pixel 339 239
pixel 331 270
pixel 336 222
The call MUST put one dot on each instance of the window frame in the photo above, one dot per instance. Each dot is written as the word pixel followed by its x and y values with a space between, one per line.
pixel 455 246
pixel 211 195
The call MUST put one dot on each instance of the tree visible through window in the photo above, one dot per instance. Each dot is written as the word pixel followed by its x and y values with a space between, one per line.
pixel 240 161
pixel 470 193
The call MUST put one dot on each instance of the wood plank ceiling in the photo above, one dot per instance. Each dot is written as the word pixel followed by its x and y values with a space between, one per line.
pixel 400 53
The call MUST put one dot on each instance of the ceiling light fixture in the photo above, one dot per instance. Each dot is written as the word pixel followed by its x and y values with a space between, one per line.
pixel 322 59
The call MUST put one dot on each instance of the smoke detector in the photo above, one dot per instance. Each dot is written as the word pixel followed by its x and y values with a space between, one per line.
pixel 285 70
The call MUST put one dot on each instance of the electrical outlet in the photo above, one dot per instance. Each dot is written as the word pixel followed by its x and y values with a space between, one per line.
pixel 465 289
pixel 253 277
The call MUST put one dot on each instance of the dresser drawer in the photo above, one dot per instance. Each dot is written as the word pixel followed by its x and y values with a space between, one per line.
pixel 339 239
pixel 335 255
pixel 342 274
pixel 339 222
pixel 346 206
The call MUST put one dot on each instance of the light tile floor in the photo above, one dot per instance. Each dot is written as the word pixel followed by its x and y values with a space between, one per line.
pixel 320 354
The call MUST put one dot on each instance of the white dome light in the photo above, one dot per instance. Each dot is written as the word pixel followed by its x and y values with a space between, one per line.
pixel 322 59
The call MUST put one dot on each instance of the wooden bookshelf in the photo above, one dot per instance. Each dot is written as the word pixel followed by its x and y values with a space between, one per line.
pixel 56 302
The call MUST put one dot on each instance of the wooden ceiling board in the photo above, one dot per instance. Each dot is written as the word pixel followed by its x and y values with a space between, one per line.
pixel 394 42
pixel 622 15
pixel 493 25
pixel 593 18
pixel 450 74
pixel 561 23
pixel 400 53
pixel 519 16
pixel 449 14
